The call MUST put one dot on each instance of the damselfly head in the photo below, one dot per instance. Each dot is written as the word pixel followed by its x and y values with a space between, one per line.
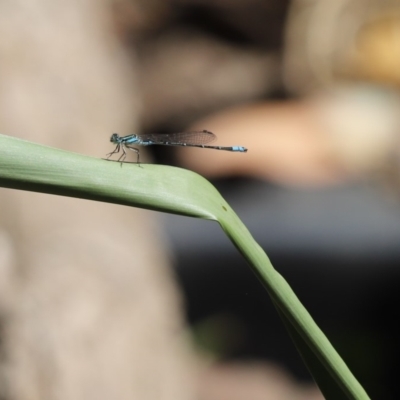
pixel 114 138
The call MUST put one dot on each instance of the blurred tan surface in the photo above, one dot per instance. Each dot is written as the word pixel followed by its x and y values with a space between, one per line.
pixel 351 132
pixel 284 141
pixel 346 40
pixel 252 380
pixel 377 57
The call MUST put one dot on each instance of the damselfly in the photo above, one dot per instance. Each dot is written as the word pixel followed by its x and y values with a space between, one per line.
pixel 188 139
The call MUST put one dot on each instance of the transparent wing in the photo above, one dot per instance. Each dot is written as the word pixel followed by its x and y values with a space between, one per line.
pixel 193 138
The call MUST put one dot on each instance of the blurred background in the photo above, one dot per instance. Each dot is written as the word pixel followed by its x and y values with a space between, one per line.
pixel 100 301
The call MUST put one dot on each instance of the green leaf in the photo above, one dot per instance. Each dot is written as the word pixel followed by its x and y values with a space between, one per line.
pixel 29 166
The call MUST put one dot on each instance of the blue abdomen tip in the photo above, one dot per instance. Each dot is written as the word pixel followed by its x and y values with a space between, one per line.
pixel 239 148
